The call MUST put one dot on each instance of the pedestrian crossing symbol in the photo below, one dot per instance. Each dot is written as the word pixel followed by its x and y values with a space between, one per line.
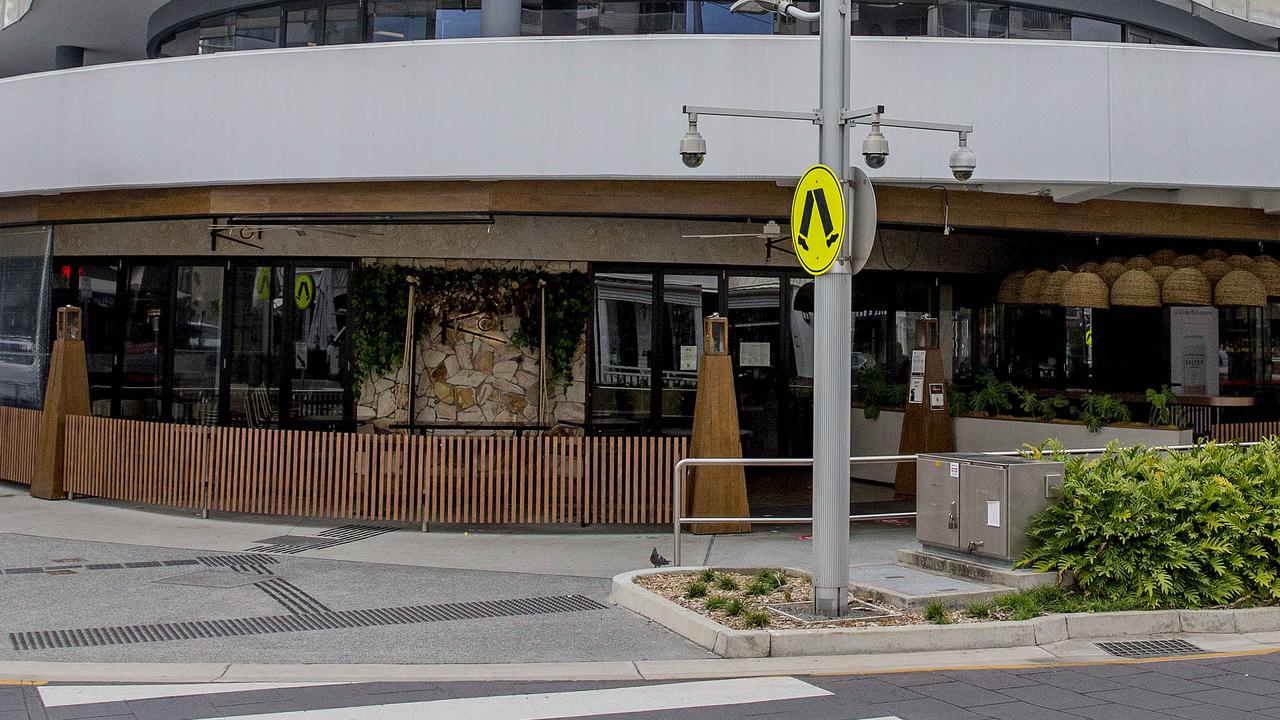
pixel 817 219
pixel 304 291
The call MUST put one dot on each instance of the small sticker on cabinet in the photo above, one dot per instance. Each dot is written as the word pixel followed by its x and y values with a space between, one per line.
pixel 993 513
pixel 954 470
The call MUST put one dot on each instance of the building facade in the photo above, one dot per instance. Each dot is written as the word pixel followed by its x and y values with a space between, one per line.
pixel 219 186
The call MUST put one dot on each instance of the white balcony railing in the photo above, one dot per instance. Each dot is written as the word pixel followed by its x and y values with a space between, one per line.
pixel 1262 12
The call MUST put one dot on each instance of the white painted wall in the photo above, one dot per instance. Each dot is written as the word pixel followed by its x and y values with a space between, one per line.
pixel 610 107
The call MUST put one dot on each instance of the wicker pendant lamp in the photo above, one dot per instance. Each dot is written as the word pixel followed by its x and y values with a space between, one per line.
pixel 1010 288
pixel 1214 269
pixel 1030 287
pixel 1135 288
pixel 1215 254
pixel 1138 263
pixel 1164 256
pixel 1269 274
pixel 1186 286
pixel 1161 273
pixel 1109 271
pixel 1085 289
pixel 1266 259
pixel 1240 262
pixel 1116 259
pixel 1240 288
pixel 1186 261
pixel 1051 291
pixel 1090 267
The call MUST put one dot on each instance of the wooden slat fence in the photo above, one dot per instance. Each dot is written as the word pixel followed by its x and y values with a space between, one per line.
pixel 1245 431
pixel 19 429
pixel 442 479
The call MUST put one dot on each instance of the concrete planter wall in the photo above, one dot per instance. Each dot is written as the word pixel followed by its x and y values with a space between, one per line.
pixel 973 434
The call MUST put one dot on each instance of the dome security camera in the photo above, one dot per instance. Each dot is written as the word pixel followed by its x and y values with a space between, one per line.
pixel 875 148
pixel 963 161
pixel 693 148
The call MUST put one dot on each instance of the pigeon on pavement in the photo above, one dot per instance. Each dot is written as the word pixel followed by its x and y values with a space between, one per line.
pixel 657 560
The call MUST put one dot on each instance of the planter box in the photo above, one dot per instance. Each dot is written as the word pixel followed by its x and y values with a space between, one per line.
pixel 975 434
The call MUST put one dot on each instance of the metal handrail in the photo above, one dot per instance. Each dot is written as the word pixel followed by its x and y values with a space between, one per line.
pixel 677 498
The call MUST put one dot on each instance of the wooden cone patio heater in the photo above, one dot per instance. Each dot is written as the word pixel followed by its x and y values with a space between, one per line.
pixel 716 490
pixel 66 393
pixel 926 424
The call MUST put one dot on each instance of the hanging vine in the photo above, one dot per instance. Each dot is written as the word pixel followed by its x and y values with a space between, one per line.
pixel 380 296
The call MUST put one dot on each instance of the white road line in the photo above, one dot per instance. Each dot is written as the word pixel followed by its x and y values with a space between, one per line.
pixel 64 695
pixel 647 698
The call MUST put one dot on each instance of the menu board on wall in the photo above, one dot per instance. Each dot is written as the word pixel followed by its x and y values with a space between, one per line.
pixel 1193 350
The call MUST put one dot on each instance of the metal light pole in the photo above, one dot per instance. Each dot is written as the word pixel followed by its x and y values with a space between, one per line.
pixel 833 290
pixel 833 294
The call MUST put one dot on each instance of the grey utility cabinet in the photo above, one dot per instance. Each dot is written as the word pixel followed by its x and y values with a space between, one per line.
pixel 981 504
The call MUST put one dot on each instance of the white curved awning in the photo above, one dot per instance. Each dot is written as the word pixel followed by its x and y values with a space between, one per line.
pixel 1262 12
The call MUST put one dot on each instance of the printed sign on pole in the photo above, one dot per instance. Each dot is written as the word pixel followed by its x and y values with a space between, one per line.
pixel 818 219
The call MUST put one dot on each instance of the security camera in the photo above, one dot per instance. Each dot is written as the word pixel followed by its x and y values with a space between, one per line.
pixel 693 149
pixel 963 161
pixel 875 148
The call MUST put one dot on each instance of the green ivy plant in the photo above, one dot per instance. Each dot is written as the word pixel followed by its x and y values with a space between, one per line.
pixel 379 301
pixel 1193 529
pixel 1099 409
pixel 1161 406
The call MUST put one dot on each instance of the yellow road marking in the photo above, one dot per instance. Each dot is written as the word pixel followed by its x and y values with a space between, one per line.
pixel 28 683
pixel 1057 664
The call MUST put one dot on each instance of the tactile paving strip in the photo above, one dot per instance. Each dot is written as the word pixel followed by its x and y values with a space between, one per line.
pixel 292 544
pixel 331 620
pixel 1149 648
pixel 242 563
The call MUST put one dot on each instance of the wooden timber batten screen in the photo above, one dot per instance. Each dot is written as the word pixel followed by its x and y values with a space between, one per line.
pixel 400 478
pixel 19 429
pixel 1245 431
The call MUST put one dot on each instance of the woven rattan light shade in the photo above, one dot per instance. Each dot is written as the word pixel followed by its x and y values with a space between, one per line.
pixel 1240 288
pixel 1186 261
pixel 1266 259
pixel 1032 283
pixel 1135 288
pixel 1240 262
pixel 1011 288
pixel 1085 289
pixel 1116 259
pixel 1186 286
pixel 1269 274
pixel 1164 256
pixel 1161 273
pixel 1214 269
pixel 1138 263
pixel 1109 271
pixel 1090 267
pixel 1051 291
pixel 1215 254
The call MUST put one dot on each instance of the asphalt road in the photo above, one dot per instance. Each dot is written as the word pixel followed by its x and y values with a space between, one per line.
pixel 1216 688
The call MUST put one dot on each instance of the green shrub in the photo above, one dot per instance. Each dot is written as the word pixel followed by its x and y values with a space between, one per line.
pixel 771 578
pixel 727 583
pixel 715 602
pixel 707 576
pixel 735 607
pixel 1141 528
pixel 755 587
pixel 1161 412
pixel 757 619
pixel 992 395
pixel 1044 409
pixel 695 589
pixel 957 401
pixel 978 610
pixel 937 613
pixel 1097 410
pixel 1018 606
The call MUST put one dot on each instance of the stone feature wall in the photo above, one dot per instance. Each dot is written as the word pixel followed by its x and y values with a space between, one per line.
pixel 467 379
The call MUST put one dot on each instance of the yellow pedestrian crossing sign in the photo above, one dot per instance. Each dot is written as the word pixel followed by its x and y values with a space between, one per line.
pixel 304 291
pixel 817 219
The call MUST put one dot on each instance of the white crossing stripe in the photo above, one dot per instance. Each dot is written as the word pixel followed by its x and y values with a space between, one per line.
pixel 544 706
pixel 64 695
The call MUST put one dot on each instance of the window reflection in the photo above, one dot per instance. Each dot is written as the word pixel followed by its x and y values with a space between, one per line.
pixel 624 347
pixel 398 21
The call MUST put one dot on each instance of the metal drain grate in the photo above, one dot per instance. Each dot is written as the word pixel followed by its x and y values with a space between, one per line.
pixel 331 620
pixel 293 544
pixel 1149 648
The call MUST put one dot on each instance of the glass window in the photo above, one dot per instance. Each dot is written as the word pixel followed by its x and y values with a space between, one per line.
pixel 1095 30
pixel 633 18
pixel 755 336
pixel 624 351
pixel 901 19
pixel 1036 24
pixel 706 16
pixel 97 300
pixel 302 27
pixel 182 44
pixel 146 336
pixel 686 300
pixel 988 20
pixel 457 19
pixel 320 297
pixel 197 344
pixel 257 345
pixel 396 21
pixel 342 24
pixel 245 30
